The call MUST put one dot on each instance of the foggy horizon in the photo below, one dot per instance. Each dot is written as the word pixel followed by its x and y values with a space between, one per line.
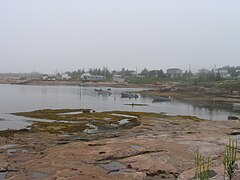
pixel 46 36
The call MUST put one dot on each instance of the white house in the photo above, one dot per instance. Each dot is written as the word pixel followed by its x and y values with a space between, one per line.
pixel 203 71
pixel 89 77
pixel 174 72
pixel 223 73
pixel 45 77
pixel 238 73
pixel 118 79
pixel 66 77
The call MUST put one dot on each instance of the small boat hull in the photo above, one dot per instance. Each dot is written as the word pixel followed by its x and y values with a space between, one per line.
pixel 98 90
pixel 162 99
pixel 128 95
pixel 105 92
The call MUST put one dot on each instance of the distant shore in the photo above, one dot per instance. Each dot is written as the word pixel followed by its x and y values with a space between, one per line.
pixel 74 83
pixel 194 93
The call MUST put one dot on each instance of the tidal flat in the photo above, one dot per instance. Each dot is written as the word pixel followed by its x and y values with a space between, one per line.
pixel 84 144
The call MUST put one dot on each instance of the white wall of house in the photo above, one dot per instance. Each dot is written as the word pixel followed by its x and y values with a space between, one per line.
pixel 118 79
pixel 90 77
pixel 223 73
pixel 66 77
pixel 45 77
pixel 174 72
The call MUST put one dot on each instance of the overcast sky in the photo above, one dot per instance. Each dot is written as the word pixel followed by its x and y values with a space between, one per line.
pixel 50 35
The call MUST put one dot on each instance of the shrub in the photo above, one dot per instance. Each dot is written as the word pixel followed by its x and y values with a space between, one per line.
pixel 202 167
pixel 230 156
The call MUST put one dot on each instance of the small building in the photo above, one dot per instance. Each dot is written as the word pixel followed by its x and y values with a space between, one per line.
pixel 173 72
pixel 65 77
pixel 45 77
pixel 223 72
pixel 89 77
pixel 238 73
pixel 203 71
pixel 133 73
pixel 118 78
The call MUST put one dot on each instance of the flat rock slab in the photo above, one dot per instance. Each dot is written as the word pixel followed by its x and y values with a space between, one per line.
pixel 161 147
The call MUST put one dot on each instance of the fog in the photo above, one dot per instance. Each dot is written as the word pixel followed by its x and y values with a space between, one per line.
pixel 50 35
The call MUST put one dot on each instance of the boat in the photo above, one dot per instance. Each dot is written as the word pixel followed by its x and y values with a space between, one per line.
pixel 128 95
pixel 98 90
pixel 82 84
pixel 162 99
pixel 105 92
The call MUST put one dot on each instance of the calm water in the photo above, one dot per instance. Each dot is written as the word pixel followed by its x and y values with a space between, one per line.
pixel 14 98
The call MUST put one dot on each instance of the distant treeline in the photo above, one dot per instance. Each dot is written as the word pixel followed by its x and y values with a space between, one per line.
pixel 33 75
pixel 202 75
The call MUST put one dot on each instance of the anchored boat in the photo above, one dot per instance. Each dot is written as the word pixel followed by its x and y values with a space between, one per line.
pixel 128 95
pixel 162 99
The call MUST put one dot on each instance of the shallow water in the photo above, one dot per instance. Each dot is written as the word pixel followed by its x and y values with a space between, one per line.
pixel 116 167
pixel 39 175
pixel 3 175
pixel 19 98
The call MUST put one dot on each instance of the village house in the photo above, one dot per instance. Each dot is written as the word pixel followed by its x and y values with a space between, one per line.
pixel 223 72
pixel 173 72
pixel 238 73
pixel 118 78
pixel 46 77
pixel 89 77
pixel 203 71
pixel 65 77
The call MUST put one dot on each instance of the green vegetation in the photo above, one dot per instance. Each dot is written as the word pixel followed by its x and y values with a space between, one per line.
pixel 10 132
pixel 202 166
pixel 76 120
pixel 144 80
pixel 57 127
pixel 52 114
pixel 230 85
pixel 230 157
pixel 192 118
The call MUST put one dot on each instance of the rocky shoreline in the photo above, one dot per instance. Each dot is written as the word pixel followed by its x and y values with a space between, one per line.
pixel 159 147
pixel 194 93
pixel 74 83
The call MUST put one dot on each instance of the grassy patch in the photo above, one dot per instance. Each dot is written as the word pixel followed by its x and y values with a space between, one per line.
pixel 52 114
pixel 144 80
pixel 70 123
pixel 191 118
pixel 77 123
pixel 57 127
pixel 230 85
pixel 10 132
